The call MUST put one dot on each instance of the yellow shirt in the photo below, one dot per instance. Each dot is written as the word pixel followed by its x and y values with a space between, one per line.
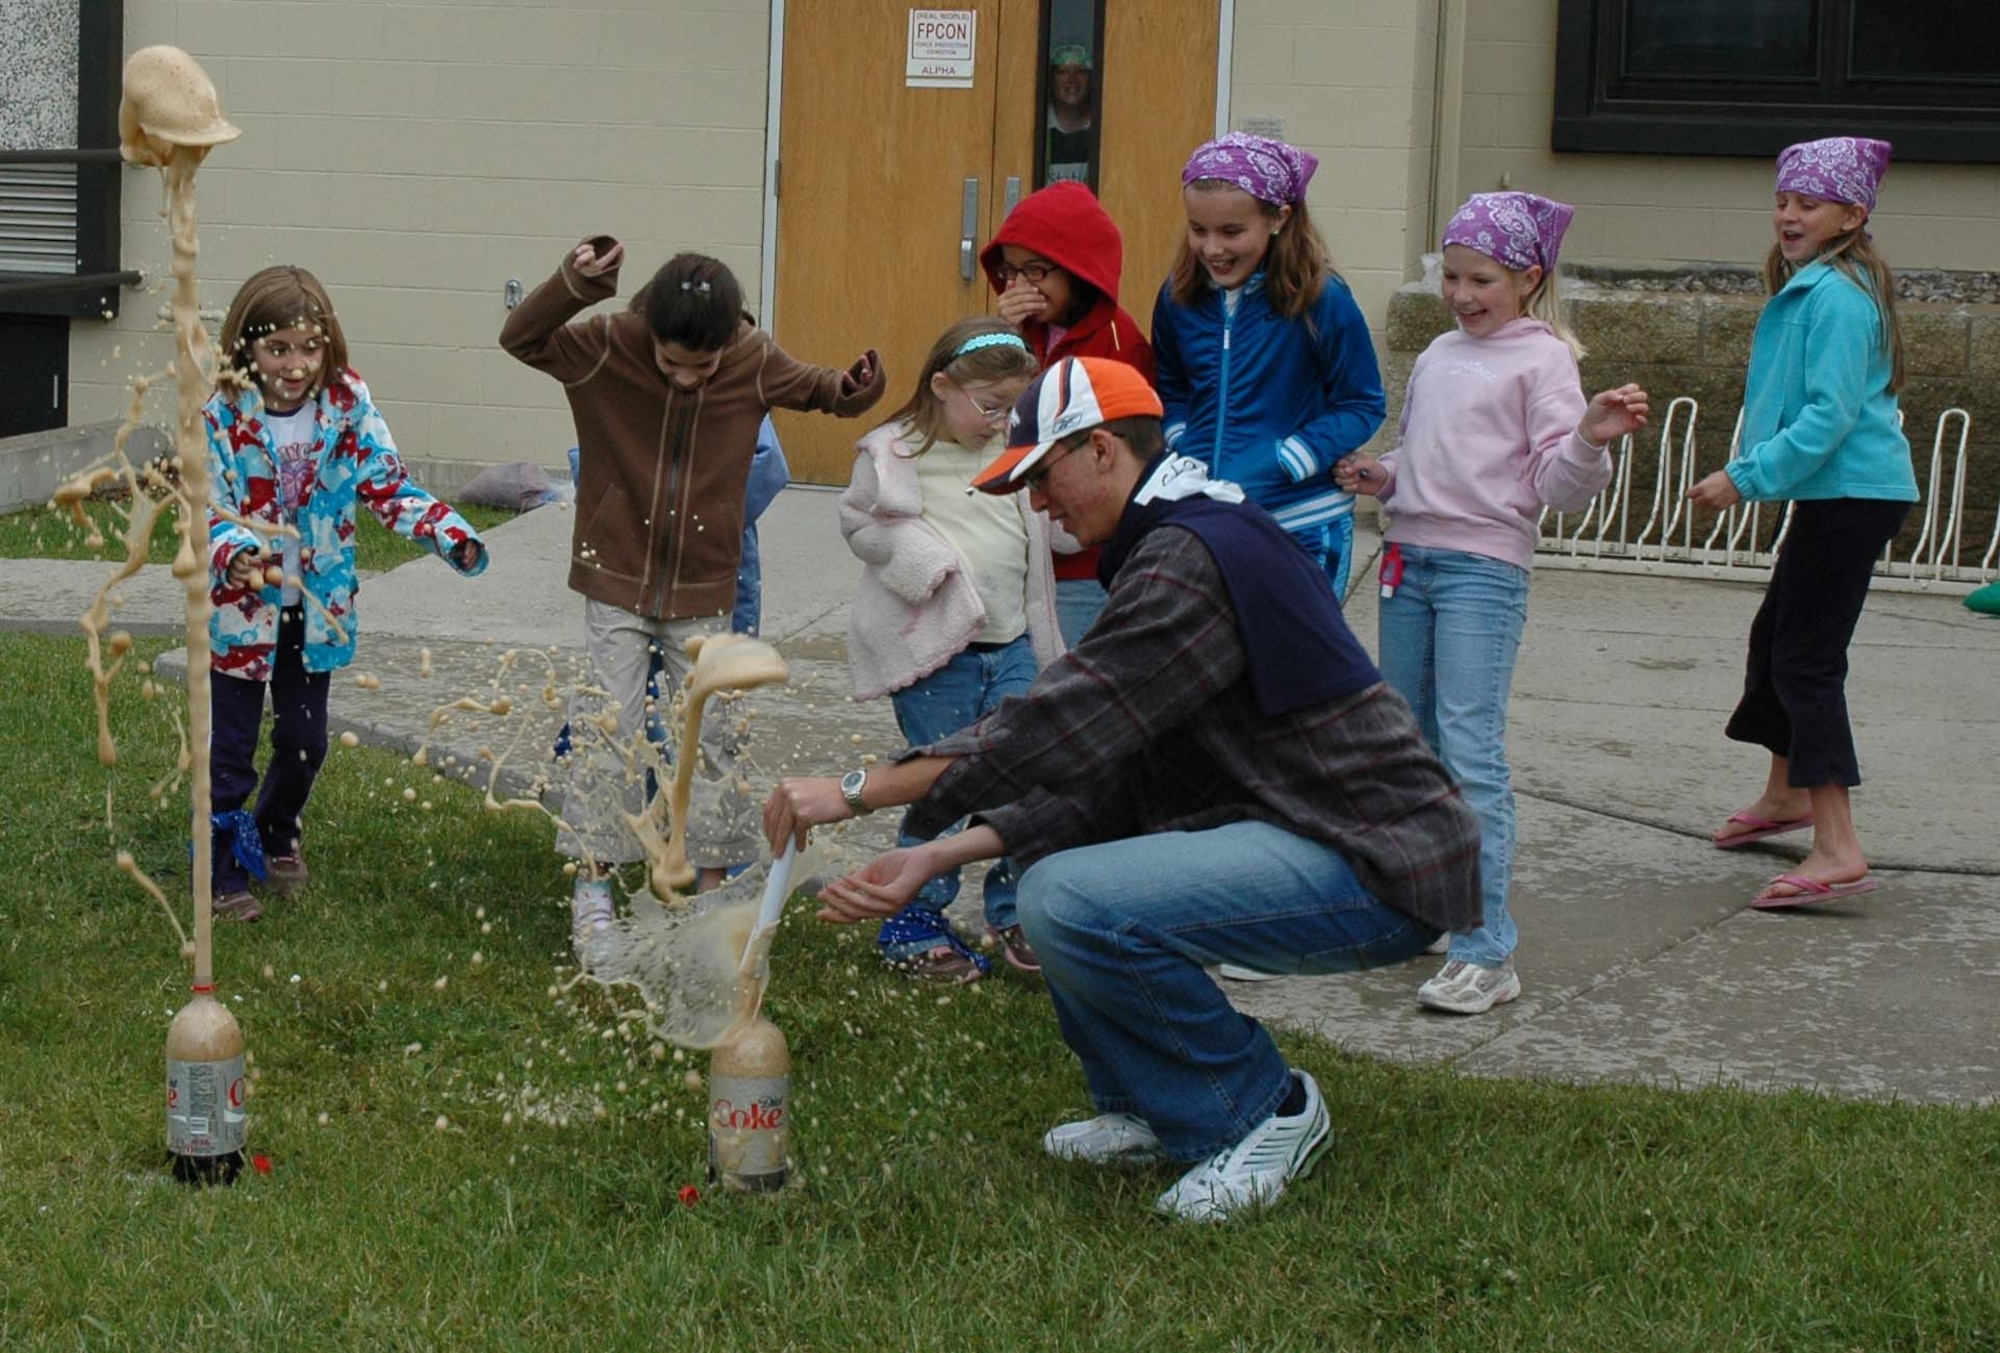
pixel 986 530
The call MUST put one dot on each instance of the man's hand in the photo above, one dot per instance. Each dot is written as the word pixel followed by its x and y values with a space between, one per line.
pixel 798 805
pixel 882 887
pixel 1612 414
pixel 1717 491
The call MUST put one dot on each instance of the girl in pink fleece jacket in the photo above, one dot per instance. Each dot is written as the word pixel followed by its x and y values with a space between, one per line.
pixel 956 608
pixel 1494 428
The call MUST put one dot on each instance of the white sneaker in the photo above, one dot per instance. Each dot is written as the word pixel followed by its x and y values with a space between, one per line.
pixel 1440 945
pixel 1463 988
pixel 1254 1172
pixel 589 911
pixel 1236 974
pixel 1108 1139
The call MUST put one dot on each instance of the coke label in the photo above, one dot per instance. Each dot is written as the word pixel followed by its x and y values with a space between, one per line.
pixel 749 1130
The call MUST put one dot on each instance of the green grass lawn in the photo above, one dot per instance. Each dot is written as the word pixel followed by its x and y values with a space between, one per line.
pixel 1451 1213
pixel 38 533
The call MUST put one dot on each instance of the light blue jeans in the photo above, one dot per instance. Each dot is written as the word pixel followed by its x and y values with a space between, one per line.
pixel 1078 602
pixel 1449 637
pixel 958 695
pixel 1124 930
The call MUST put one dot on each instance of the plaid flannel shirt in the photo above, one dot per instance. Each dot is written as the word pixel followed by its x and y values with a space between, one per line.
pixel 1150 726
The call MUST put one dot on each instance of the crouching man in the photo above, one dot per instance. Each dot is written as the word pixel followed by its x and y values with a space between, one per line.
pixel 1216 774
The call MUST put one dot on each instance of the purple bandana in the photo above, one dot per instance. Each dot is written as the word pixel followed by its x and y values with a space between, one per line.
pixel 1268 170
pixel 1515 230
pixel 1838 169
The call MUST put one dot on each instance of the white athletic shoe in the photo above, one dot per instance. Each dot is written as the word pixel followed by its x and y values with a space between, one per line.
pixel 1108 1139
pixel 1463 988
pixel 1239 974
pixel 589 911
pixel 1440 945
pixel 1254 1172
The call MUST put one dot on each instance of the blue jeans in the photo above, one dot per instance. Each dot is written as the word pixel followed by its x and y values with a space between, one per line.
pixel 1449 637
pixel 1078 601
pixel 749 612
pixel 1331 544
pixel 1124 929
pixel 958 695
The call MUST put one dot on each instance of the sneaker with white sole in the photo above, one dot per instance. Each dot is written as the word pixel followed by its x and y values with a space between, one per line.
pixel 1255 1172
pixel 1240 974
pixel 590 911
pixel 1108 1139
pixel 1462 988
pixel 1440 945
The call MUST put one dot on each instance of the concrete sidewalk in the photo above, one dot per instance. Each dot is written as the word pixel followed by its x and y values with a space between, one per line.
pixel 1638 956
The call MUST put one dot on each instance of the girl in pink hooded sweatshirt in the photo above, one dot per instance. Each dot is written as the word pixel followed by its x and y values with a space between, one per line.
pixel 1495 427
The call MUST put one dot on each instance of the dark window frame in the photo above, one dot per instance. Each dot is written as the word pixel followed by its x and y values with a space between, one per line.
pixel 1601 109
pixel 100 63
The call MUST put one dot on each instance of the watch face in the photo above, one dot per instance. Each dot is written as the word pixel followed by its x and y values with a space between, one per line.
pixel 851 782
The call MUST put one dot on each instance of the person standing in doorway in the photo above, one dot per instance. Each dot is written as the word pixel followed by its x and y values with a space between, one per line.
pixel 1072 134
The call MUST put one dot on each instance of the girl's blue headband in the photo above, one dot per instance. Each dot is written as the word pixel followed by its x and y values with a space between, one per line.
pixel 999 340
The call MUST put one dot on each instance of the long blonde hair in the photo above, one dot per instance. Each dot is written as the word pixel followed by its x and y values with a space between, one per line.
pixel 1854 253
pixel 924 411
pixel 1296 266
pixel 1545 303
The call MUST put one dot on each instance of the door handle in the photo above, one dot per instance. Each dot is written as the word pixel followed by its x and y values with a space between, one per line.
pixel 968 231
pixel 1013 198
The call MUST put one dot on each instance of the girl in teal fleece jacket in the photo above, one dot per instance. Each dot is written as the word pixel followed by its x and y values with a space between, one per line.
pixel 1820 428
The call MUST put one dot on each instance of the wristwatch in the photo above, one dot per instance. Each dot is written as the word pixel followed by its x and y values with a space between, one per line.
pixel 851 785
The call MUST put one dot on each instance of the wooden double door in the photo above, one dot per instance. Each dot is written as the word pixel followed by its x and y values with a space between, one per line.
pixel 887 190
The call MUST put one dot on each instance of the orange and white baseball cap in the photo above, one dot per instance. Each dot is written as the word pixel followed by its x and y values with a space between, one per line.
pixel 1074 395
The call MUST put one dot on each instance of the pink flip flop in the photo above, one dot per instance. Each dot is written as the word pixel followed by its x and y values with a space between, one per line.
pixel 1760 827
pixel 1810 890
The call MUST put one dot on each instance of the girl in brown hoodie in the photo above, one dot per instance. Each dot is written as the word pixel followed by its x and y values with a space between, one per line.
pixel 667 397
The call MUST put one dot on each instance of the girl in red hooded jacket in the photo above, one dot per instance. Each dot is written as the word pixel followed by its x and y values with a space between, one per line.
pixel 1055 265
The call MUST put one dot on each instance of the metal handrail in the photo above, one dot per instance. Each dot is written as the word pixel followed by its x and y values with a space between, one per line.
pixel 73 155
pixel 57 285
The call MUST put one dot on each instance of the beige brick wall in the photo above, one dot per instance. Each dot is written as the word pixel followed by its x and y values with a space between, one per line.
pixel 1637 210
pixel 1352 81
pixel 416 156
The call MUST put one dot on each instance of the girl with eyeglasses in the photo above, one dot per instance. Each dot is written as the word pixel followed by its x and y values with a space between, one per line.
pixel 956 607
pixel 1055 265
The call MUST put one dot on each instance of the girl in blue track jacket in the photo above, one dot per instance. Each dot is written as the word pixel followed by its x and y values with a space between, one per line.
pixel 1266 368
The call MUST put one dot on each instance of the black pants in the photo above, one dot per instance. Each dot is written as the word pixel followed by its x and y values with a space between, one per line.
pixel 1794 701
pixel 298 748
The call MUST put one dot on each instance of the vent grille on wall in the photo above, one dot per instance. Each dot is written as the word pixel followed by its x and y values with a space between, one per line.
pixel 38 219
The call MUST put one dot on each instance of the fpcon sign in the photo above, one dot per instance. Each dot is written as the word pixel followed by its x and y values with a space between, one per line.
pixel 943 43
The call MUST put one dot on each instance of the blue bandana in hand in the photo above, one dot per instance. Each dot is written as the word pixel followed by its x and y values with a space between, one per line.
pixel 245 841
